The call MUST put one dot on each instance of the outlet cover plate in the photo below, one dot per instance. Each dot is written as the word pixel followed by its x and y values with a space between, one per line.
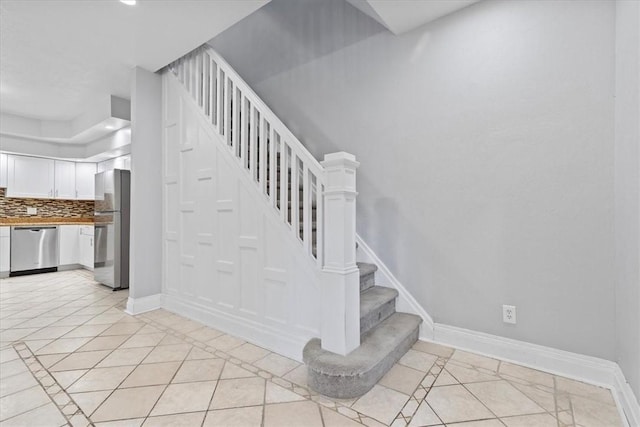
pixel 509 314
pixel 32 211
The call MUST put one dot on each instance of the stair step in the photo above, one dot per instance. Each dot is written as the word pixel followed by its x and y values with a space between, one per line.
pixel 376 304
pixel 367 275
pixel 353 375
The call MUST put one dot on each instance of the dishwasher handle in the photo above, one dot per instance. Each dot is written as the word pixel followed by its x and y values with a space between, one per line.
pixel 35 228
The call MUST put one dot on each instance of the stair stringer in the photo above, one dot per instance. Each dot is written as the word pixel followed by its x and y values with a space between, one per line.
pixel 405 302
pixel 229 260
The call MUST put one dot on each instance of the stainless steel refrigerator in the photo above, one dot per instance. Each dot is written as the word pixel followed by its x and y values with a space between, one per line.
pixel 111 249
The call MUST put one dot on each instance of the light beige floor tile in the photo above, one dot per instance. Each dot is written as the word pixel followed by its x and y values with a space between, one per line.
pixel 231 371
pixel 35 345
pixel 237 417
pixel 124 328
pixel 86 331
pixel 13 367
pixel 151 374
pixel 481 423
pixel 90 401
pixel 149 329
pixel 424 416
pixel 537 420
pixel 544 398
pixel 418 360
pixel 204 334
pixel 168 353
pixel 293 414
pixel 48 360
pixel 475 360
pixel 238 392
pixel 125 356
pixel 101 379
pixel 199 354
pixel 531 375
pixel 199 370
pixel 136 422
pixel 381 403
pixel 128 403
pixel 178 420
pixel 189 397
pixel 170 340
pixel 74 320
pixel 298 376
pixel 22 401
pixel 402 379
pixel 104 319
pixel 66 378
pixel 104 343
pixel 249 353
pixel 15 383
pixel 62 345
pixel 47 415
pixel 8 354
pixel 37 322
pixel 586 390
pixel 432 348
pixel 11 335
pixel 334 419
pixel 143 340
pixel 276 364
pixel 445 378
pixel 277 394
pixel 84 360
pixel 592 413
pixel 503 399
pixel 455 404
pixel 48 333
pixel 468 374
pixel 225 342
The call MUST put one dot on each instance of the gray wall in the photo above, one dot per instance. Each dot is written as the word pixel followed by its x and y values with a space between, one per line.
pixel 485 142
pixel 627 190
pixel 146 184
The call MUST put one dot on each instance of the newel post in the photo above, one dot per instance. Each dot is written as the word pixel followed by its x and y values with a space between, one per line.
pixel 341 277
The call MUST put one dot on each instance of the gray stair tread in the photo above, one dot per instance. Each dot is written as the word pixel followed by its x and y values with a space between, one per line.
pixel 375 297
pixel 366 268
pixel 375 346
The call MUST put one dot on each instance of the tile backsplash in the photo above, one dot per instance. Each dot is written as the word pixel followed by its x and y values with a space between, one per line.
pixel 47 208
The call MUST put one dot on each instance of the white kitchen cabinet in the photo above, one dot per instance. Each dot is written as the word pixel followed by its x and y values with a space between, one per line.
pixel 5 248
pixel 4 164
pixel 86 246
pixel 69 244
pixel 30 177
pixel 85 181
pixel 65 179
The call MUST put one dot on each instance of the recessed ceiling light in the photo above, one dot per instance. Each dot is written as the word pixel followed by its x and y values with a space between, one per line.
pixel 128 2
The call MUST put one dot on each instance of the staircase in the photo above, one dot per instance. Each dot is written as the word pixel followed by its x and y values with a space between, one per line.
pixel 316 203
pixel 385 337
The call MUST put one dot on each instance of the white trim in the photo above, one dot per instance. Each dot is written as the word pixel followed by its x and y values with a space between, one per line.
pixel 254 332
pixel 583 368
pixel 144 304
pixel 405 302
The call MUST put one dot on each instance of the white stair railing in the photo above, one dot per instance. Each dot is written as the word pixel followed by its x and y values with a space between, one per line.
pixel 315 202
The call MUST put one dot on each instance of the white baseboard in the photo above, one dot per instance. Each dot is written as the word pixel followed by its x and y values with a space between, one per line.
pixel 255 332
pixel 405 302
pixel 583 368
pixel 144 304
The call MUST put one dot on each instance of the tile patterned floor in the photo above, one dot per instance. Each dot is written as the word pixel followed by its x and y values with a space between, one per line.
pixel 69 355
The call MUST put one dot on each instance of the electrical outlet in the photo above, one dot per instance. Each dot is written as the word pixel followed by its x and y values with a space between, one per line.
pixel 509 314
pixel 32 211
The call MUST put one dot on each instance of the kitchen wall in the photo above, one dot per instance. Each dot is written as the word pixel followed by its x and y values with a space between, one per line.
pixel 485 142
pixel 11 207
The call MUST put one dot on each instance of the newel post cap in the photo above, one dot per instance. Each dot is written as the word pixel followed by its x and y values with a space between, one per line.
pixel 340 159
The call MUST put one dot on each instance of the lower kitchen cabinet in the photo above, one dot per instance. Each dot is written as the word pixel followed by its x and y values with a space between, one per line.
pixel 86 246
pixel 5 248
pixel 69 244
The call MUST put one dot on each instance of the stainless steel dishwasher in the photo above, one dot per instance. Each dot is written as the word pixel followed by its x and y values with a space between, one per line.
pixel 34 250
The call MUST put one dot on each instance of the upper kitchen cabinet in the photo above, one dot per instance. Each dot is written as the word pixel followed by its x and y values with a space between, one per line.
pixel 4 163
pixel 30 177
pixel 85 179
pixel 65 180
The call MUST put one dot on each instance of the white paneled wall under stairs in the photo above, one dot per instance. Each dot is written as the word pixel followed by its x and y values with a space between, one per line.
pixel 236 254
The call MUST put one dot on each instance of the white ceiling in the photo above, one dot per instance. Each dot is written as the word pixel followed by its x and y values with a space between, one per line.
pixel 400 16
pixel 58 56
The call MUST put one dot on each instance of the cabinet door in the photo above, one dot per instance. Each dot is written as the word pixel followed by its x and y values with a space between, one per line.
pixel 5 248
pixel 65 180
pixel 86 251
pixel 4 164
pixel 69 242
pixel 85 181
pixel 30 177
